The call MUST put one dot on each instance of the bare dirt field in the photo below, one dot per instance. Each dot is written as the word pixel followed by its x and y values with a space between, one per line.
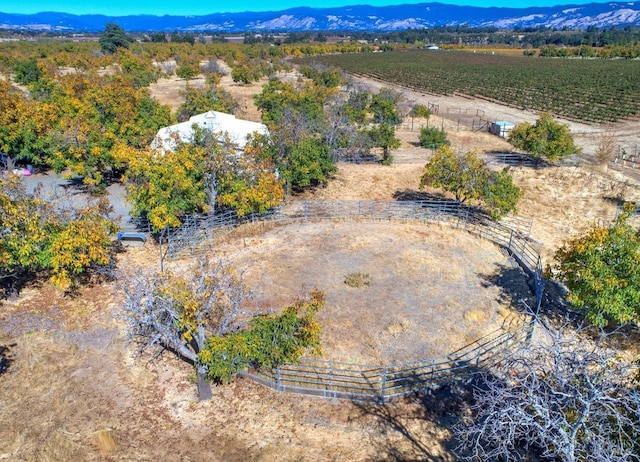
pixel 432 289
pixel 70 389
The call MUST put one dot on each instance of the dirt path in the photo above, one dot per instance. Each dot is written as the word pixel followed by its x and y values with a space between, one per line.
pixel 586 135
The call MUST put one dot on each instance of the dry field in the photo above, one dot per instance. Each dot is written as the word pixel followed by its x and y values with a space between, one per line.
pixel 72 391
pixel 432 289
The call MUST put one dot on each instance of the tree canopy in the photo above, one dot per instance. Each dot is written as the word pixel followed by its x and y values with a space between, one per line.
pixel 209 317
pixel 38 237
pixel 433 137
pixel 113 37
pixel 197 177
pixel 209 98
pixel 468 178
pixel 601 269
pixel 546 139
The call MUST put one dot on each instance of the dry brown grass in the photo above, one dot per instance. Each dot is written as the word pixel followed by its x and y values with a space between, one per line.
pixel 422 276
pixel 73 392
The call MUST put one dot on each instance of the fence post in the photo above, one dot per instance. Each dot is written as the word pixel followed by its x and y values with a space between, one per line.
pixel 384 384
pixel 510 240
pixel 305 211
pixel 278 378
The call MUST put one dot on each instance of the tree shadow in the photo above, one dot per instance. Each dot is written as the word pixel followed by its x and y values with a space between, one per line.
pixel 6 357
pixel 514 284
pixel 11 285
pixel 617 201
pixel 417 427
pixel 414 196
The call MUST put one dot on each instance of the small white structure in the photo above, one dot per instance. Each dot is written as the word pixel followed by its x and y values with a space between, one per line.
pixel 501 128
pixel 237 130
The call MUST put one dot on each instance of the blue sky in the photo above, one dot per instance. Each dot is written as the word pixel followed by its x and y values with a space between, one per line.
pixel 173 7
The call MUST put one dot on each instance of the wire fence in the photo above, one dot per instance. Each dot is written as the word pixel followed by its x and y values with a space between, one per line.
pixel 374 382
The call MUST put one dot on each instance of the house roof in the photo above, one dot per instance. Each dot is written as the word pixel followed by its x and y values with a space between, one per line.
pixel 237 130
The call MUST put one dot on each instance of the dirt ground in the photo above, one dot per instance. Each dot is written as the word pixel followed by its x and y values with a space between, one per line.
pixel 70 389
pixel 414 308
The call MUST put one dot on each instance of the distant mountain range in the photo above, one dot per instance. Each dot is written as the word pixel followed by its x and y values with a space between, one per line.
pixel 348 18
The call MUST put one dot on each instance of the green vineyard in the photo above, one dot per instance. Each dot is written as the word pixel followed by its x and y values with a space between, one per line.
pixel 587 90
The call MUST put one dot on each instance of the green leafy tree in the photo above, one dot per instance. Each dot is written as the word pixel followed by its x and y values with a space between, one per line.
pixel 98 115
pixel 247 73
pixel 462 175
pixel 139 71
pixel 280 98
pixel 113 37
pixel 27 72
pixel 384 107
pixel 355 107
pixel 37 237
pixel 546 139
pixel 166 187
pixel 187 72
pixel 433 137
pixel 500 195
pixel 601 270
pixel 269 342
pixel 468 178
pixel 384 136
pixel 420 110
pixel 209 98
pixel 308 163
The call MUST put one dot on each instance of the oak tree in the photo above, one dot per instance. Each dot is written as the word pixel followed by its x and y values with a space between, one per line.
pixel 546 139
pixel 469 179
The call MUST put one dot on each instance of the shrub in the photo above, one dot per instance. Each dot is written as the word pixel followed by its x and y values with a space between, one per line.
pixel 357 280
pixel 433 137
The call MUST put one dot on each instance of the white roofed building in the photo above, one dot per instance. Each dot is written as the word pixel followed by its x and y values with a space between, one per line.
pixel 227 125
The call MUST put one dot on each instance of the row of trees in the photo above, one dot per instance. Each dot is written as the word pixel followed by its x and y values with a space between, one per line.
pixel 313 124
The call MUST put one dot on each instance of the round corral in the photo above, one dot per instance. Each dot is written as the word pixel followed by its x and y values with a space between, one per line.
pixel 395 292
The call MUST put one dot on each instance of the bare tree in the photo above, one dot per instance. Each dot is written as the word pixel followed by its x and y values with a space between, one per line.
pixel 565 399
pixel 606 149
pixel 179 313
pixel 345 139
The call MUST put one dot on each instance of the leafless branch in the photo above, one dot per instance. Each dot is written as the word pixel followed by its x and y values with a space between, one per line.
pixel 566 398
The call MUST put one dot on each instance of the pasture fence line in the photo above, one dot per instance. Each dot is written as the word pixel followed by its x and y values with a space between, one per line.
pixel 333 379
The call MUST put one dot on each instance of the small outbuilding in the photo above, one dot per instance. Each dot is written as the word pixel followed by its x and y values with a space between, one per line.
pixel 501 128
pixel 227 125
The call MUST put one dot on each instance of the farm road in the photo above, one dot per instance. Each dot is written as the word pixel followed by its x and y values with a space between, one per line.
pixel 627 133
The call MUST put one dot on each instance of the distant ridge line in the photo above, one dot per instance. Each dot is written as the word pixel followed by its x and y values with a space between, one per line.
pixel 347 18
